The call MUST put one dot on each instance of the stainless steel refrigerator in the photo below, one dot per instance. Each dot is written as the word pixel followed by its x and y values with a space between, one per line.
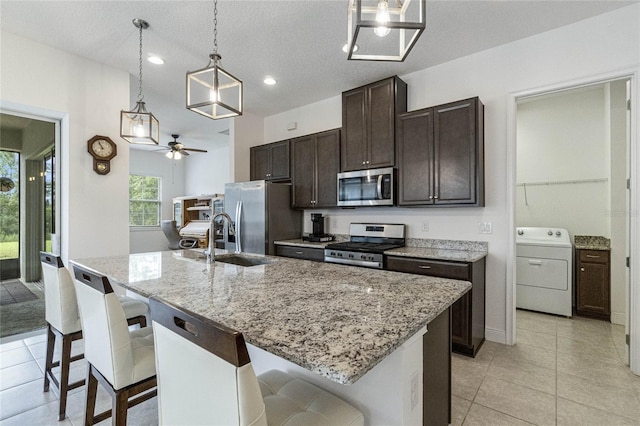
pixel 262 213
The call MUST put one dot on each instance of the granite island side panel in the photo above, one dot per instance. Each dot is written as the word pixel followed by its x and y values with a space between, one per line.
pixel 335 320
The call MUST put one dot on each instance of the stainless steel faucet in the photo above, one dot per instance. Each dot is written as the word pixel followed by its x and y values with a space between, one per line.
pixel 211 251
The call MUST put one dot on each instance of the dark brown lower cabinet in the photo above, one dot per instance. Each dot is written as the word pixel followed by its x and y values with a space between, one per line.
pixel 468 313
pixel 436 383
pixel 306 253
pixel 593 284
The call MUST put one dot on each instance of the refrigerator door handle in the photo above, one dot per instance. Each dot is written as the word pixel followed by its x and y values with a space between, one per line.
pixel 238 227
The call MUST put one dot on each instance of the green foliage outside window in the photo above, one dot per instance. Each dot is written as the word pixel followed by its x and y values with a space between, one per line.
pixel 144 200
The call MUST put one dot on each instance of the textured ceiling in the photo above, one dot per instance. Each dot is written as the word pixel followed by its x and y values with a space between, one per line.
pixel 297 42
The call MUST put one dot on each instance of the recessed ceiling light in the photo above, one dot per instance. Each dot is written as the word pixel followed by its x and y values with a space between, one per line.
pixel 345 48
pixel 270 81
pixel 155 59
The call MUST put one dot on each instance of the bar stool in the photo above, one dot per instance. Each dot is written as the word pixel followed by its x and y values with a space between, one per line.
pixel 122 361
pixel 63 322
pixel 205 376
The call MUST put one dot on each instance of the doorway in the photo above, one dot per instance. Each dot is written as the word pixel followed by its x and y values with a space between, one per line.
pixel 29 218
pixel 572 171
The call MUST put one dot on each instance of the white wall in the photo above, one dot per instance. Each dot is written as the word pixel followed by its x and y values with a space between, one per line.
pixel 171 173
pixel 206 173
pixel 564 137
pixel 589 48
pixel 244 132
pixel 88 97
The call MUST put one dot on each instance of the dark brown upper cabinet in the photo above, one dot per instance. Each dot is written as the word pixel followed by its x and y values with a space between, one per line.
pixel 369 124
pixel 315 165
pixel 270 161
pixel 440 154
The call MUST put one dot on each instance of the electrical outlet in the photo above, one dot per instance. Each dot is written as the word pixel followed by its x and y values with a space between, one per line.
pixel 485 227
pixel 425 226
pixel 415 390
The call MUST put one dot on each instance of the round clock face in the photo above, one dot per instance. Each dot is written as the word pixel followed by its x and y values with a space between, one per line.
pixel 102 148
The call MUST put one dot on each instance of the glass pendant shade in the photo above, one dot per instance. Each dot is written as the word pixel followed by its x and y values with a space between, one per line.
pixel 139 126
pixel 213 92
pixel 381 30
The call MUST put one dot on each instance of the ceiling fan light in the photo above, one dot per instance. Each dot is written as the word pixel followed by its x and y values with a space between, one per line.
pixel 177 155
pixel 169 154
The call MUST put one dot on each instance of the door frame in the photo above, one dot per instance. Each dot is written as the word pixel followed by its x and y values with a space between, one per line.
pixel 61 122
pixel 634 214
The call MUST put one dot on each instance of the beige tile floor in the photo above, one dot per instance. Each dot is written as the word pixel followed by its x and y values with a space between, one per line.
pixel 561 372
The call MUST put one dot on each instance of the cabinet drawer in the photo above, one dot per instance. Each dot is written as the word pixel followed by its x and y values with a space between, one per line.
pixel 316 254
pixel 434 268
pixel 594 256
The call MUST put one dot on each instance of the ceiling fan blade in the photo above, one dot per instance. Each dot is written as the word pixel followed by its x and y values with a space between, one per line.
pixel 194 149
pixel 183 152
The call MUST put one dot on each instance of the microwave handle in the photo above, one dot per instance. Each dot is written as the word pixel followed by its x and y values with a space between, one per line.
pixel 380 186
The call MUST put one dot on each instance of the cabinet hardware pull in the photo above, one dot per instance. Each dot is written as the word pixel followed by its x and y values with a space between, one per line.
pixel 424 266
pixel 581 269
pixel 535 262
pixel 364 162
pixel 592 256
pixel 298 252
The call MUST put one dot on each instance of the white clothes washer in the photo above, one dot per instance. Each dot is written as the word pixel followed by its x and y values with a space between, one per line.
pixel 544 270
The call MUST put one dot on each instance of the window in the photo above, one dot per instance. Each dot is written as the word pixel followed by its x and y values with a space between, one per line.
pixel 144 200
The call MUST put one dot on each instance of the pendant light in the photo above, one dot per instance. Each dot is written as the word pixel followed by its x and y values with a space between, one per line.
pixel 139 126
pixel 384 30
pixel 212 91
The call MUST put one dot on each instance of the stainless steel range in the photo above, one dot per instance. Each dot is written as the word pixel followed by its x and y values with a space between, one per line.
pixel 368 242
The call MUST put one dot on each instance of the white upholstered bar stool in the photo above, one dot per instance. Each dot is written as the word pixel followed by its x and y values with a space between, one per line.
pixel 205 376
pixel 63 322
pixel 122 361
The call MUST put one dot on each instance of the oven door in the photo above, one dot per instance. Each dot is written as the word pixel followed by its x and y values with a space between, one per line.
pixel 366 188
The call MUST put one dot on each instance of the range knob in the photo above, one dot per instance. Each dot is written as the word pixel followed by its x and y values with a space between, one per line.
pixel 550 232
pixel 350 255
pixel 333 253
pixel 558 233
pixel 520 232
pixel 363 257
pixel 339 254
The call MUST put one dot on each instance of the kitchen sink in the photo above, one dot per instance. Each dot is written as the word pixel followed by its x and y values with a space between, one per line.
pixel 242 260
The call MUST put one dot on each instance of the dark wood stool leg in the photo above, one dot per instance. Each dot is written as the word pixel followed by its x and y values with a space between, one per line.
pixel 92 390
pixel 65 361
pixel 51 341
pixel 120 408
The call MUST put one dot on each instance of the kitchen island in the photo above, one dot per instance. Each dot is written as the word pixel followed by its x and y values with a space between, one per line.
pixel 336 321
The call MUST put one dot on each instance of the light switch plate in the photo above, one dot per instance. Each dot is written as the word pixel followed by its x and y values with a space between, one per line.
pixel 425 226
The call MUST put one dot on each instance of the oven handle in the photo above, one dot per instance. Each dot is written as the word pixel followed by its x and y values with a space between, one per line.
pixel 377 265
pixel 380 186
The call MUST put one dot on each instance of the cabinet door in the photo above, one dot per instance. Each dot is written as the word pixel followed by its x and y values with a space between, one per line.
pixel 593 288
pixel 280 161
pixel 259 158
pixel 460 321
pixel 327 168
pixel 456 153
pixel 354 134
pixel 381 116
pixel 415 157
pixel 303 173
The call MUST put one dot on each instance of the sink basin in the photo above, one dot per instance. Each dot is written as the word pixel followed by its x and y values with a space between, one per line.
pixel 242 260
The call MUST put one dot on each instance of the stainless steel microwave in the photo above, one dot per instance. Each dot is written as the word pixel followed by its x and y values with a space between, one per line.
pixel 373 187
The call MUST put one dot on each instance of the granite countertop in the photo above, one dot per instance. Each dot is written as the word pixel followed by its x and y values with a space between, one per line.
pixel 451 250
pixel 590 242
pixel 437 254
pixel 335 320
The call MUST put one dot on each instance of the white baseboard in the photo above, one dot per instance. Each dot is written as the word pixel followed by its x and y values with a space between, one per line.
pixel 618 318
pixel 495 335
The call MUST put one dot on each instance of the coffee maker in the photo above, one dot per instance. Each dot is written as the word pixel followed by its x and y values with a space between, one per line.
pixel 318 234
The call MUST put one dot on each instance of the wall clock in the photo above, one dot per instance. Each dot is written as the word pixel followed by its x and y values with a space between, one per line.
pixel 102 149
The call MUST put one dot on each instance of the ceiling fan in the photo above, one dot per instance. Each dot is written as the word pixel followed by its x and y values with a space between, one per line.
pixel 177 150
